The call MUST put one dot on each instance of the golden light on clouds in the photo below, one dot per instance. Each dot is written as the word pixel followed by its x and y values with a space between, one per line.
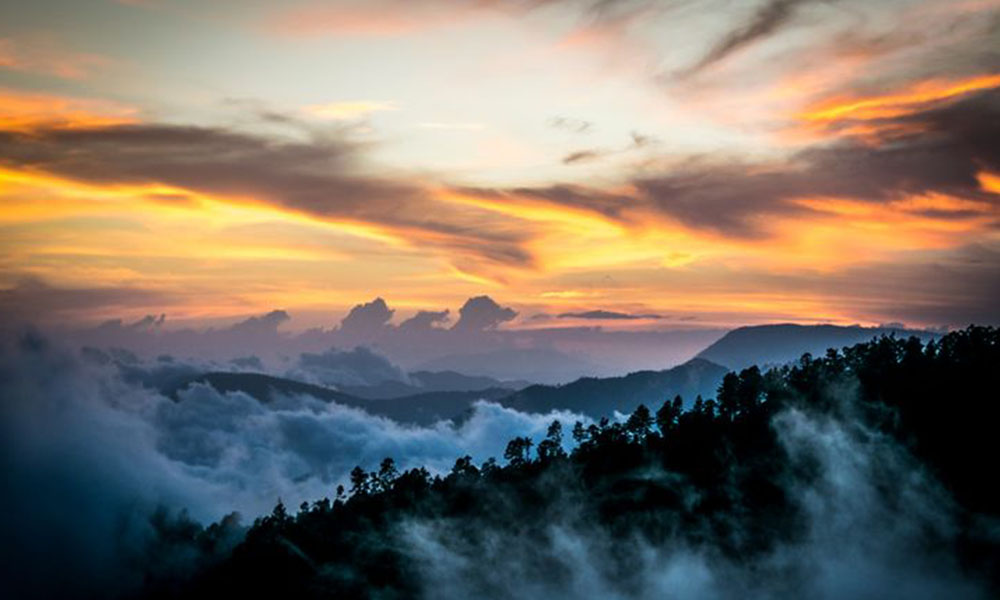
pixel 23 111
pixel 436 163
pixel 990 182
pixel 899 103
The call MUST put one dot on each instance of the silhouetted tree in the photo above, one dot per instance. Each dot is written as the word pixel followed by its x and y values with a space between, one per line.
pixel 517 452
pixel 551 446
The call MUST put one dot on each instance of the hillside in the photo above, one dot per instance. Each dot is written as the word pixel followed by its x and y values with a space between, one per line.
pixel 599 397
pixel 775 488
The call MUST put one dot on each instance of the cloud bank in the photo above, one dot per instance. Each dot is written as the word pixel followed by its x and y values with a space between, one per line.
pixel 89 458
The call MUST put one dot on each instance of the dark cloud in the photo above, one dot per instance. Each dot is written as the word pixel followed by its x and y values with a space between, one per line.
pixel 148 323
pixel 953 144
pixel 582 156
pixel 636 142
pixel 32 299
pixel 320 176
pixel 606 314
pixel 947 148
pixel 640 140
pixel 608 204
pixel 766 20
pixel 957 288
pixel 482 313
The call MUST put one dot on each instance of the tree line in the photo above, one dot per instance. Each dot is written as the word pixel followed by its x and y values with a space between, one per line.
pixel 710 474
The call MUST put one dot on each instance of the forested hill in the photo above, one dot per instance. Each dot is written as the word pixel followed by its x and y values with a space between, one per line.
pixel 866 472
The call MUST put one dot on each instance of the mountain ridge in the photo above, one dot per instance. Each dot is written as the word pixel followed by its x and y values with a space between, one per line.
pixel 781 343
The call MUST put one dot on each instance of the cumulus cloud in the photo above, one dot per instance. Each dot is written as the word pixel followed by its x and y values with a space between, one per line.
pixel 266 324
pixel 368 320
pixel 482 313
pixel 425 320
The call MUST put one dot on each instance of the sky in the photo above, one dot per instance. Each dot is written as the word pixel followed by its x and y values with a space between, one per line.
pixel 689 162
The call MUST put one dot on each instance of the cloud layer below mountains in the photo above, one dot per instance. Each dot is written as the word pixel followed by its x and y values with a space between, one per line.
pixel 89 457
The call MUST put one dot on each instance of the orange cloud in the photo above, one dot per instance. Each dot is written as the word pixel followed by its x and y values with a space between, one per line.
pixel 990 182
pixel 24 112
pixel 917 97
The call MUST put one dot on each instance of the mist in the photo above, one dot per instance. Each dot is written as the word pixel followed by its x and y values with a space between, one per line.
pixel 874 525
pixel 102 469
pixel 90 457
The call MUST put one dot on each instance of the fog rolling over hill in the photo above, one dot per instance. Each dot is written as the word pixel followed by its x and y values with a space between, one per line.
pixel 499 299
pixel 850 475
pixel 782 483
pixel 417 408
pixel 782 343
pixel 594 397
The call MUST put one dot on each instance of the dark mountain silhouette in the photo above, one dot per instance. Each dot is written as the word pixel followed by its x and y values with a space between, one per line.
pixel 590 396
pixel 452 381
pixel 421 409
pixel 598 397
pixel 431 407
pixel 423 382
pixel 779 344
pixel 265 388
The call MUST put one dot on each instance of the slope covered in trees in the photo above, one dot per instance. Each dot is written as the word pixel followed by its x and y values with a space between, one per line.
pixel 865 472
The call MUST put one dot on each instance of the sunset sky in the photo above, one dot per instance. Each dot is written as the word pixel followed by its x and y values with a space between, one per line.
pixel 709 162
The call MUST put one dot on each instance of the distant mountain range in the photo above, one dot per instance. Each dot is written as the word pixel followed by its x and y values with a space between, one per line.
pixel 767 345
pixel 431 396
pixel 423 382
pixel 422 409
pixel 590 396
pixel 598 397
